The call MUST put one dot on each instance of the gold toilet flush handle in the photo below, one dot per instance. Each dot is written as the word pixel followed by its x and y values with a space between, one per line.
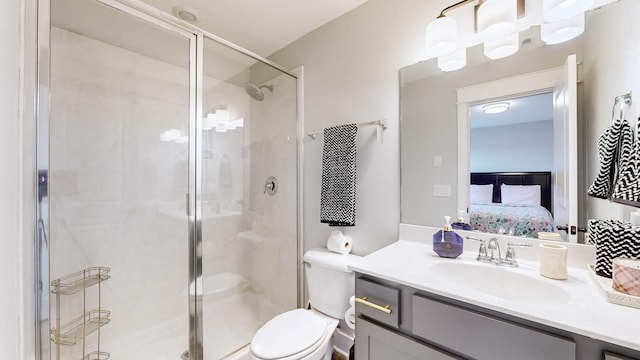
pixel 385 309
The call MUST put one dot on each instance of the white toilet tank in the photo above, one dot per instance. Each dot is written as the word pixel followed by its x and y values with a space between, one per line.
pixel 329 281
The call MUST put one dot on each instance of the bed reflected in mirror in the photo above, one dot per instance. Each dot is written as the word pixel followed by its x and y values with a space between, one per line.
pixel 510 164
pixel 513 203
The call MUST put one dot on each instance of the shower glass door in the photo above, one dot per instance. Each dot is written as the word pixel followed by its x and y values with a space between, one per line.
pixel 120 111
pixel 172 199
pixel 249 197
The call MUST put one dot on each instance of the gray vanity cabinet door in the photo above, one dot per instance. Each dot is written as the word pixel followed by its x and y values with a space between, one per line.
pixel 377 343
pixel 611 356
pixel 482 337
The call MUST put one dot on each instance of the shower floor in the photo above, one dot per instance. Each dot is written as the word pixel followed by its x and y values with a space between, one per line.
pixel 229 325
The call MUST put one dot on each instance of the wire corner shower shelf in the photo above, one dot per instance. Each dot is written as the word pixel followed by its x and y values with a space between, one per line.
pixel 76 330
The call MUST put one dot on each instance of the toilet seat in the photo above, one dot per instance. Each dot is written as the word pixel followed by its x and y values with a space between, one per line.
pixel 295 334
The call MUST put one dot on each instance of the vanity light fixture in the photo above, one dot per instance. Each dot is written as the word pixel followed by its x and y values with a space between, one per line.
pixel 496 19
pixel 209 121
pixel 222 115
pixel 498 49
pixel 219 119
pixel 496 25
pixel 170 135
pixel 493 19
pixel 559 10
pixel 454 61
pixel 495 108
pixel 557 32
pixel 442 36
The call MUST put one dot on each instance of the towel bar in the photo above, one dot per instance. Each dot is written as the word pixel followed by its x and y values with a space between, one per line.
pixel 380 123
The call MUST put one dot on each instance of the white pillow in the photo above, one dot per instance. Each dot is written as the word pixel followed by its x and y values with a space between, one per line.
pixel 520 194
pixel 481 194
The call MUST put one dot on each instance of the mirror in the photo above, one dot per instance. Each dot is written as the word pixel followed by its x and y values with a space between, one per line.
pixel 431 149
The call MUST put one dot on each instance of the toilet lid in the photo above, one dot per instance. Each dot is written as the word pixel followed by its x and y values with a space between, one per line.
pixel 288 333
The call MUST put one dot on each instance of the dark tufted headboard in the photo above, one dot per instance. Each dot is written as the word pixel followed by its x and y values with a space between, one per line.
pixel 542 178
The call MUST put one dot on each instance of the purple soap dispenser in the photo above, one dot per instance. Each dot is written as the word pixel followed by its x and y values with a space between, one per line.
pixel 460 223
pixel 446 243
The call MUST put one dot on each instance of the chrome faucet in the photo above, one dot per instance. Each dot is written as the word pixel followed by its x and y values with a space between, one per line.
pixel 492 246
pixel 510 256
pixel 482 250
pixel 487 253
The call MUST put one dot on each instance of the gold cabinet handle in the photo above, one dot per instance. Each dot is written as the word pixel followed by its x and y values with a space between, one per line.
pixel 385 309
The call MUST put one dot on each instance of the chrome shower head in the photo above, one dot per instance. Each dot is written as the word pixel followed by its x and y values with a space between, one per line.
pixel 256 92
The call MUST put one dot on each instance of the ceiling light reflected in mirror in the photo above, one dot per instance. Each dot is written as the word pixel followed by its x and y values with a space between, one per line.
pixel 495 108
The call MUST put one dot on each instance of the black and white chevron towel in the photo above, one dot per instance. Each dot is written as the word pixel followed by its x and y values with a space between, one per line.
pixel 338 189
pixel 610 145
pixel 627 190
pixel 613 239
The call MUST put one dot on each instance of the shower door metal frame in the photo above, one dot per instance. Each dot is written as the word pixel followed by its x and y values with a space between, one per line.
pixel 149 15
pixel 196 39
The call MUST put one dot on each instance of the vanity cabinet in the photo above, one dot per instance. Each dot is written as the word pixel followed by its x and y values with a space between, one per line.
pixel 376 342
pixel 422 325
pixel 483 337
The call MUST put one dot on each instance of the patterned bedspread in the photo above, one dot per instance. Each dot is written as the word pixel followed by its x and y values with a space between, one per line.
pixel 523 220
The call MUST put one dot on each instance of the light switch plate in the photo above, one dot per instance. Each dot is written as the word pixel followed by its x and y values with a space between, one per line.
pixel 442 190
pixel 437 161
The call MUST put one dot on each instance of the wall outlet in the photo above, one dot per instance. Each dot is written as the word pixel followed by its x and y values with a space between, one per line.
pixel 442 190
pixel 437 161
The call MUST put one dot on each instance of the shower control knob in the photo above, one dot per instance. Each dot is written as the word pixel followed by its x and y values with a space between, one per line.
pixel 271 186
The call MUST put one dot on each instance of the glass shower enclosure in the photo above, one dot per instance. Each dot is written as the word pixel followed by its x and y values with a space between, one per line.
pixel 168 163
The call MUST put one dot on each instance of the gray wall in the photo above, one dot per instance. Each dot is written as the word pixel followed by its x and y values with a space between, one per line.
pixel 516 147
pixel 17 177
pixel 613 71
pixel 351 74
pixel 11 301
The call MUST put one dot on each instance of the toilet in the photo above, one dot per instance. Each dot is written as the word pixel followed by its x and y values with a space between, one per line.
pixel 308 334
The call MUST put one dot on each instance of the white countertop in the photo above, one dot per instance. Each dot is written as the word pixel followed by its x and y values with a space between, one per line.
pixel 587 313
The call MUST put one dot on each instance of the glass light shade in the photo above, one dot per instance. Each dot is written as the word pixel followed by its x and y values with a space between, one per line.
pixel 496 19
pixel 221 128
pixel 441 36
pixel 503 47
pixel 454 61
pixel 559 10
pixel 557 32
pixel 181 139
pixel 495 108
pixel 222 115
pixel 170 135
pixel 239 122
pixel 209 122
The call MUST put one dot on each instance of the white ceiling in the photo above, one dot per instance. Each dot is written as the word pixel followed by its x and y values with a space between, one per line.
pixel 521 110
pixel 261 26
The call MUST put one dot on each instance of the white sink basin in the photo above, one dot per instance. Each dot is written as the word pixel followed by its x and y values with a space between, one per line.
pixel 503 283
